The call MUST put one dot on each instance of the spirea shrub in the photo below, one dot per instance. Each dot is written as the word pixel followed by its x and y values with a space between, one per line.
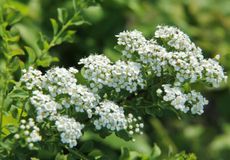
pixel 108 96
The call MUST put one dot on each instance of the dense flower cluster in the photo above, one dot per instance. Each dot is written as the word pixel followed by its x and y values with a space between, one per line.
pixel 28 131
pixel 31 78
pixel 170 57
pixel 185 61
pixel 111 116
pixel 100 71
pixel 172 54
pixel 70 130
pixel 44 105
pixel 192 101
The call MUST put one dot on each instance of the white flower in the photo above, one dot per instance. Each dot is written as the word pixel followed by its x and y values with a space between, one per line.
pixel 44 105
pixel 134 124
pixel 70 130
pixel 29 133
pixel 185 61
pixel 122 75
pixel 192 101
pixel 110 116
pixel 31 78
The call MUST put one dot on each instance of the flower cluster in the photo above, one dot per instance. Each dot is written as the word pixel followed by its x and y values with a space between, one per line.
pixel 28 131
pixel 60 81
pixel 170 56
pixel 31 78
pixel 54 93
pixel 180 57
pixel 70 130
pixel 134 125
pixel 100 71
pixel 192 101
pixel 110 116
pixel 45 105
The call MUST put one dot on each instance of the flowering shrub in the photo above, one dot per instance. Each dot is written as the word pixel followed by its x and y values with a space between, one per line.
pixel 152 74
pixel 55 109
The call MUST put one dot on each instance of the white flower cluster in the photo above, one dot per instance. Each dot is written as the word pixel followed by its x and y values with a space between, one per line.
pixel 131 40
pixel 60 81
pixel 31 78
pixel 110 116
pixel 185 61
pixel 70 130
pixel 29 131
pixel 56 91
pixel 61 86
pixel 176 38
pixel 134 125
pixel 192 101
pixel 100 71
pixel 45 105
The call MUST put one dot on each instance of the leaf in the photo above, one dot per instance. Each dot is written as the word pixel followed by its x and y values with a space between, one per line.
pixel 14 111
pixel 46 60
pixel 61 157
pixel 62 15
pixel 156 152
pixel 19 93
pixel 124 153
pixel 78 23
pixel 87 147
pixel 16 52
pixel 13 16
pixel 42 42
pixel 54 26
pixel 69 36
pixel 124 135
pixel 12 128
pixel 31 54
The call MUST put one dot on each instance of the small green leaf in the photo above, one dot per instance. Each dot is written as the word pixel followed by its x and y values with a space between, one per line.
pixel 69 36
pixel 62 15
pixel 12 128
pixel 124 135
pixel 156 152
pixel 19 93
pixel 31 55
pixel 124 153
pixel 13 16
pixel 14 111
pixel 54 26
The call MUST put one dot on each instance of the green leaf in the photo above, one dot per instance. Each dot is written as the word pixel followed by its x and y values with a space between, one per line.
pixel 13 16
pixel 124 135
pixel 156 152
pixel 87 147
pixel 16 52
pixel 46 60
pixel 62 15
pixel 12 128
pixel 54 26
pixel 61 157
pixel 124 153
pixel 42 42
pixel 69 36
pixel 19 93
pixel 31 55
pixel 14 111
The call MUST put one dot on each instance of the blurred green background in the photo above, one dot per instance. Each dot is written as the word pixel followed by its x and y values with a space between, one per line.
pixel 207 22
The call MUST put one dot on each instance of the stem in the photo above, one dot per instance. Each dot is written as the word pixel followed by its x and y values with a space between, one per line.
pixel 76 153
pixel 2 97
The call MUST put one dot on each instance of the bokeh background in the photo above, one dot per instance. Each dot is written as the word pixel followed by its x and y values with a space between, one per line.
pixel 207 22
